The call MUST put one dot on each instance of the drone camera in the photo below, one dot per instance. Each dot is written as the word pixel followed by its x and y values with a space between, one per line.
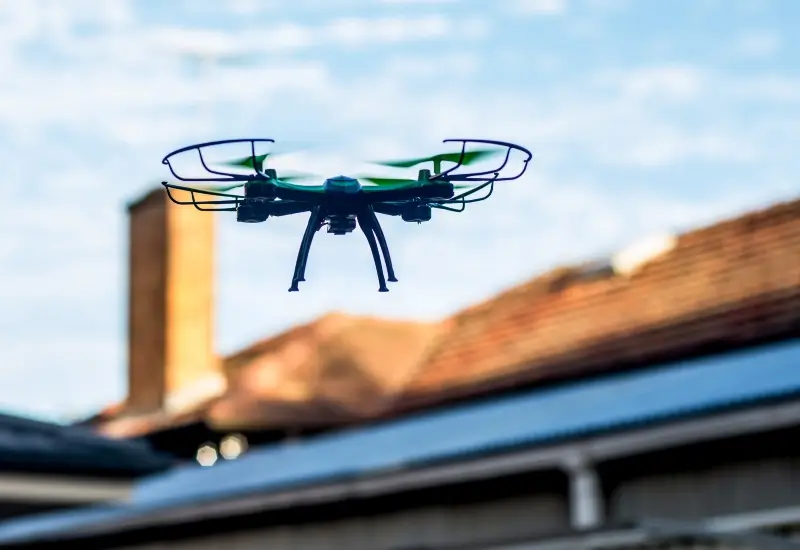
pixel 251 212
pixel 341 224
pixel 416 213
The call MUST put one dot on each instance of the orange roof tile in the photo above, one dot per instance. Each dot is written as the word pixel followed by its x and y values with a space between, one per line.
pixel 736 280
pixel 334 370
pixel 350 367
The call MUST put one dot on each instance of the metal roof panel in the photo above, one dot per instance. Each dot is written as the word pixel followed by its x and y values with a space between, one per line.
pixel 535 417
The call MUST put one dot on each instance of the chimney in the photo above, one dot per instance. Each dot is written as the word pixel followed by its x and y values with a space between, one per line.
pixel 170 308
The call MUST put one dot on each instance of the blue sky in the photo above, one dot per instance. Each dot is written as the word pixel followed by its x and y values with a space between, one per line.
pixel 643 116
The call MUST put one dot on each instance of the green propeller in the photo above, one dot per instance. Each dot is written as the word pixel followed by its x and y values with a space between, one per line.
pixel 247 162
pixel 469 157
pixel 397 183
pixel 389 182
pixel 289 179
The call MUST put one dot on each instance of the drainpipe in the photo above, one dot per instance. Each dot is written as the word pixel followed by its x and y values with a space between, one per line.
pixel 586 501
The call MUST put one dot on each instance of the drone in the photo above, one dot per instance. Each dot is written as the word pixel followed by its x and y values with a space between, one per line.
pixel 342 203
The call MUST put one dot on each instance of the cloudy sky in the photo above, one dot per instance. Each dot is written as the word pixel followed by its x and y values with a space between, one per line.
pixel 643 116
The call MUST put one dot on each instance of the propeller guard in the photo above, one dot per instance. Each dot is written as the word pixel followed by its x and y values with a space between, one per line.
pixel 217 175
pixel 486 176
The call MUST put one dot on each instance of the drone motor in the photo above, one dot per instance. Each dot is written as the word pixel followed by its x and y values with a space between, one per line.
pixel 416 213
pixel 252 211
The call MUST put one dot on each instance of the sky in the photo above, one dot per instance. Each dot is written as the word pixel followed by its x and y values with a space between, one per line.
pixel 643 117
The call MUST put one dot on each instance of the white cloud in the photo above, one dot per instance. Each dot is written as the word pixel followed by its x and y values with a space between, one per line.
pixel 762 88
pixel 758 43
pixel 679 82
pixel 541 7
pixel 346 32
pixel 418 2
pixel 358 31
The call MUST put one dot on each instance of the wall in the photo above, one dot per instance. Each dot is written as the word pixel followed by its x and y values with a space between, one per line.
pixel 734 476
pixel 434 526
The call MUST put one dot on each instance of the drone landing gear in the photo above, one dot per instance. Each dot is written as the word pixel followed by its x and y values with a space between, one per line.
pixel 376 226
pixel 368 228
pixel 314 224
pixel 372 230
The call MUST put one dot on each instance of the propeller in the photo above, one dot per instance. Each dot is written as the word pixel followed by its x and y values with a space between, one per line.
pixel 256 163
pixel 289 178
pixel 397 183
pixel 247 162
pixel 389 182
pixel 469 157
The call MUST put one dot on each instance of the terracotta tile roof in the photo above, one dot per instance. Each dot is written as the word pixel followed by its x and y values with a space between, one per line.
pixel 334 370
pixel 738 280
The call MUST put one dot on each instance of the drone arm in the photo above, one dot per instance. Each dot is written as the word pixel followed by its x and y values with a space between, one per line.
pixel 462 198
pixel 310 198
pixel 432 191
pixel 388 209
pixel 287 208
pixel 461 201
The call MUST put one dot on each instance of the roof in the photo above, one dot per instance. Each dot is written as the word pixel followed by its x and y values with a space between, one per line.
pixel 334 370
pixel 538 417
pixel 726 285
pixel 729 285
pixel 32 445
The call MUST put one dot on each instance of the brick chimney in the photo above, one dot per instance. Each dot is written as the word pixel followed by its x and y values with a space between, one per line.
pixel 170 301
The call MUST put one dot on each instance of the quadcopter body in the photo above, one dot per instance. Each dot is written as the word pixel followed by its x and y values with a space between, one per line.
pixel 343 203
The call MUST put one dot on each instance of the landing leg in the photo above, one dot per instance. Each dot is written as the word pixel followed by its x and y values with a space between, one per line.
pixel 316 217
pixel 384 247
pixel 305 247
pixel 368 229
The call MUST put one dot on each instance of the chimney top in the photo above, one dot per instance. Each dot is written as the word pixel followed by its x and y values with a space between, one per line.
pixel 145 198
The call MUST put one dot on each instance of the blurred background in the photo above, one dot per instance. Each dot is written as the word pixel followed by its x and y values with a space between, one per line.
pixel 605 353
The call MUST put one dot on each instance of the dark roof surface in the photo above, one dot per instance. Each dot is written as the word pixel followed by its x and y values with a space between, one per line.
pixel 28 445
pixel 538 417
